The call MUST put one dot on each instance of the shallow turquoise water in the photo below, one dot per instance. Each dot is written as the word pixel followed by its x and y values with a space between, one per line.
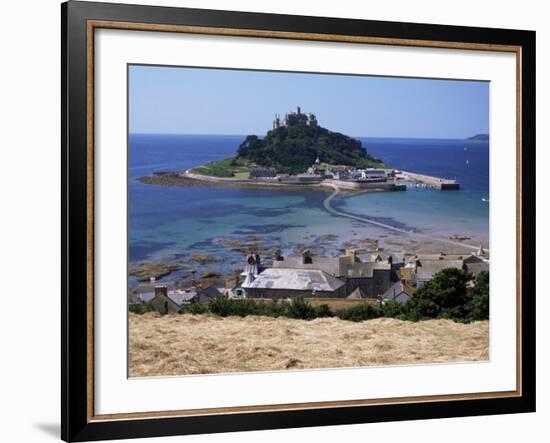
pixel 180 221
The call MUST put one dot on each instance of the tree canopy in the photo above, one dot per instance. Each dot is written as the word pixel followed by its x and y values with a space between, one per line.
pixel 292 149
pixel 449 295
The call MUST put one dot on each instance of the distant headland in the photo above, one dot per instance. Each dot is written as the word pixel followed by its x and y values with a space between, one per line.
pixel 479 137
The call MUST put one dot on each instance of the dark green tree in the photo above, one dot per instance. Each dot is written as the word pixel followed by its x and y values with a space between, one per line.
pixel 478 305
pixel 446 295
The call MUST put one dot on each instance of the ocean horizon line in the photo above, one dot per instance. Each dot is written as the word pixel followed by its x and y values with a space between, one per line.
pixel 353 136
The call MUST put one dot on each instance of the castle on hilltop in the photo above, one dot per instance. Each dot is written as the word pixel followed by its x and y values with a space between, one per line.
pixel 295 118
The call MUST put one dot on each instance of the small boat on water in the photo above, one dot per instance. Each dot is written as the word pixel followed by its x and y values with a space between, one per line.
pixel 485 200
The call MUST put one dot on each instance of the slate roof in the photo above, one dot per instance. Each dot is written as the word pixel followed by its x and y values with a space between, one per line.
pixel 356 294
pixel 330 265
pixel 146 297
pixel 476 268
pixel 428 268
pixel 180 296
pixel 295 279
pixel 210 293
pixel 470 259
pixel 396 289
pixel 431 257
pixel 366 270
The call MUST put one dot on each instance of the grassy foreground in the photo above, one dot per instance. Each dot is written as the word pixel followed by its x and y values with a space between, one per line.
pixel 202 344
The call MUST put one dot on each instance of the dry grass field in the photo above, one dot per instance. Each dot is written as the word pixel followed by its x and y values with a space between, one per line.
pixel 202 344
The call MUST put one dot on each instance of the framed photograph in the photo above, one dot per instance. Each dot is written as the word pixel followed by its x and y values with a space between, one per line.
pixel 277 221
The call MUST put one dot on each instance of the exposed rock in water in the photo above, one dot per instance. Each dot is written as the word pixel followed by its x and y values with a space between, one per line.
pixel 210 274
pixel 246 246
pixel 144 271
pixel 253 238
pixel 314 249
pixel 204 258
pixel 369 243
pixel 460 237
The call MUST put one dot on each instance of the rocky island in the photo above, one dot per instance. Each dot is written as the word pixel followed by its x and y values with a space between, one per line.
pixel 297 151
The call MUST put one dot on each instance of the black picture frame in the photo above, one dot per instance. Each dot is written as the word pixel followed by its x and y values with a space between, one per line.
pixel 76 423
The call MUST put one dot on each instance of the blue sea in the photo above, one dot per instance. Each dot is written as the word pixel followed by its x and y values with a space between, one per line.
pixel 167 223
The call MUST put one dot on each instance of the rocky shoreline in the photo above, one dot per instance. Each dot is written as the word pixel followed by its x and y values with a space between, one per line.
pixel 203 269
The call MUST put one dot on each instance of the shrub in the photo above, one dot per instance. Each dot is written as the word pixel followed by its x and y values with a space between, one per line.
pixel 225 307
pixel 323 311
pixel 220 306
pixel 242 308
pixel 140 308
pixel 357 313
pixel 197 308
pixel 301 309
pixel 271 308
pixel 391 309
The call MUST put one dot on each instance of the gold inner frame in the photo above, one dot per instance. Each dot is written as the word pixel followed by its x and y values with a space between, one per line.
pixel 96 24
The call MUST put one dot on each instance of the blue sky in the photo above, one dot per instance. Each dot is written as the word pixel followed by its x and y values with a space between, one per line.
pixel 217 101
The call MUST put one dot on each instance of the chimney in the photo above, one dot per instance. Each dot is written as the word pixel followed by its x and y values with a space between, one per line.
pixel 161 290
pixel 352 254
pixel 248 280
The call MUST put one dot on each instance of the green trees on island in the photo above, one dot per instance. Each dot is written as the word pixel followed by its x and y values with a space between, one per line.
pixel 292 149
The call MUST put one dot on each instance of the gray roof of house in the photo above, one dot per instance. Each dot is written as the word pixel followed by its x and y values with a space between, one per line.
pixel 330 265
pixel 366 269
pixel 146 296
pixel 150 287
pixel 421 257
pixel 473 259
pixel 180 296
pixel 295 279
pixel 428 268
pixel 356 294
pixel 476 268
pixel 210 292
pixel 396 290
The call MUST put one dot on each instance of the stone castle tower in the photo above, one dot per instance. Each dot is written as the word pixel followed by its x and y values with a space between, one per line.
pixel 295 118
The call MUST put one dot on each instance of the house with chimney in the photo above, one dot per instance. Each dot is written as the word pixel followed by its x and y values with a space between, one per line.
pixel 310 275
pixel 175 301
pixel 420 268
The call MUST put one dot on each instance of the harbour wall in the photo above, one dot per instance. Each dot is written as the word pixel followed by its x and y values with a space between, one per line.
pixel 381 186
pixel 433 182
